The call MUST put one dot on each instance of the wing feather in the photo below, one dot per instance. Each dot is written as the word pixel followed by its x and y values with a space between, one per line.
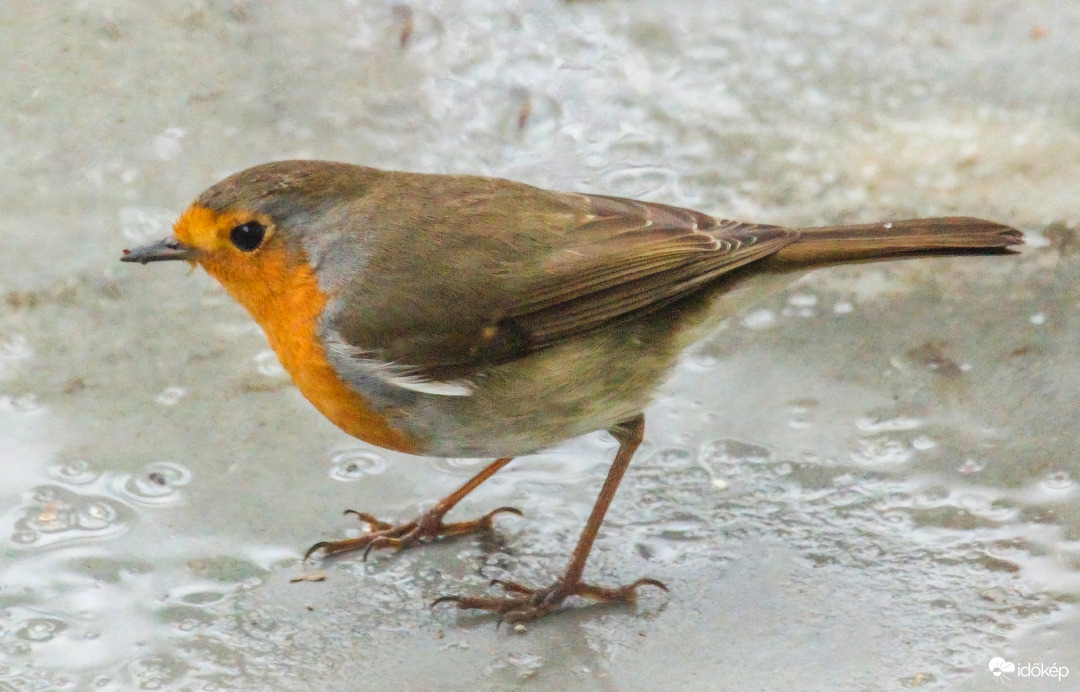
pixel 519 269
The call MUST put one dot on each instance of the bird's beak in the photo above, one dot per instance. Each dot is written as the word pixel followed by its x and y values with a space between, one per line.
pixel 161 251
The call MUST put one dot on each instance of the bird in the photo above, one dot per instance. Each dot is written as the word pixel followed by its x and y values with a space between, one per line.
pixel 467 316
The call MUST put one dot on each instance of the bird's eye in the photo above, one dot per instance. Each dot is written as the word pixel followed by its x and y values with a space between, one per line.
pixel 248 236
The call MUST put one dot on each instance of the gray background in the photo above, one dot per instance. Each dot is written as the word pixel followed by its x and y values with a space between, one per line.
pixel 867 482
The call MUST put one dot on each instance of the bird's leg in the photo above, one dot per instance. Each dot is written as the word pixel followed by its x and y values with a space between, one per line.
pixel 427 525
pixel 522 603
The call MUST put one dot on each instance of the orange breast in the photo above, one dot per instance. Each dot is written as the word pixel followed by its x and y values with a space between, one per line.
pixel 285 299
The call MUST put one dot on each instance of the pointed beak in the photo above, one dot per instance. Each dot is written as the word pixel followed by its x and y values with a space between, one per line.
pixel 161 251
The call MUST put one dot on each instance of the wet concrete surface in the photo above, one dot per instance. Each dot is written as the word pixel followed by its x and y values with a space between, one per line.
pixel 867 481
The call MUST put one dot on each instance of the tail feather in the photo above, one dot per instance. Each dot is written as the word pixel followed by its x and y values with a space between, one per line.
pixel 943 236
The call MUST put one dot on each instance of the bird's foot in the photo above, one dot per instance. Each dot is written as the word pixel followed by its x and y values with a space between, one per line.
pixel 524 604
pixel 427 526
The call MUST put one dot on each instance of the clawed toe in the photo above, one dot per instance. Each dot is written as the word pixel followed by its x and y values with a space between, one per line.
pixel 523 604
pixel 625 594
pixel 502 510
pixel 382 534
pixel 315 548
pixel 373 523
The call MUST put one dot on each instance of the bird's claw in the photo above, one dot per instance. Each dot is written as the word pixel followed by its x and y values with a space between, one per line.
pixel 428 525
pixel 527 604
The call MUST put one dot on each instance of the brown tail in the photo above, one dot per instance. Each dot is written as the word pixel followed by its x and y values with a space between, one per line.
pixel 954 235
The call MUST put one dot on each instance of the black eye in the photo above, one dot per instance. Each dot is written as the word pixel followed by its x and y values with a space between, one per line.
pixel 247 236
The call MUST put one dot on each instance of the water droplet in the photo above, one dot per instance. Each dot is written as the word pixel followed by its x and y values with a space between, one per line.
pixel 800 411
pixel 25 537
pixel 99 514
pixel 267 363
pixel 702 359
pixel 354 464
pixel 55 513
pixel 881 451
pixel 843 307
pixel 923 443
pixel 527 665
pixel 172 396
pixel 1038 318
pixel 732 452
pixel 1058 480
pixel 157 484
pixel 202 598
pixel 803 300
pixel 167 144
pixel 459 466
pixel 188 625
pixel 51 509
pixel 759 319
pixel 14 347
pixel 49 514
pixel 671 458
pixel 156 672
pixel 970 467
pixel 76 472
pixel 25 403
pixel 873 425
pixel 40 630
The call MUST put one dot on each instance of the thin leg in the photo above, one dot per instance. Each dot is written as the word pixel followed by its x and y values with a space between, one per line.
pixel 523 603
pixel 427 525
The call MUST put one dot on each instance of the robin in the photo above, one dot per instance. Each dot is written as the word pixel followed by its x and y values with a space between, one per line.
pixel 466 316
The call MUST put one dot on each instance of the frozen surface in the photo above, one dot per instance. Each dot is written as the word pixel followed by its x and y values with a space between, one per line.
pixel 867 482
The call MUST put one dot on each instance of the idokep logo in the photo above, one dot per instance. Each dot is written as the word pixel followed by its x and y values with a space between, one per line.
pixel 1002 670
pixel 999 666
